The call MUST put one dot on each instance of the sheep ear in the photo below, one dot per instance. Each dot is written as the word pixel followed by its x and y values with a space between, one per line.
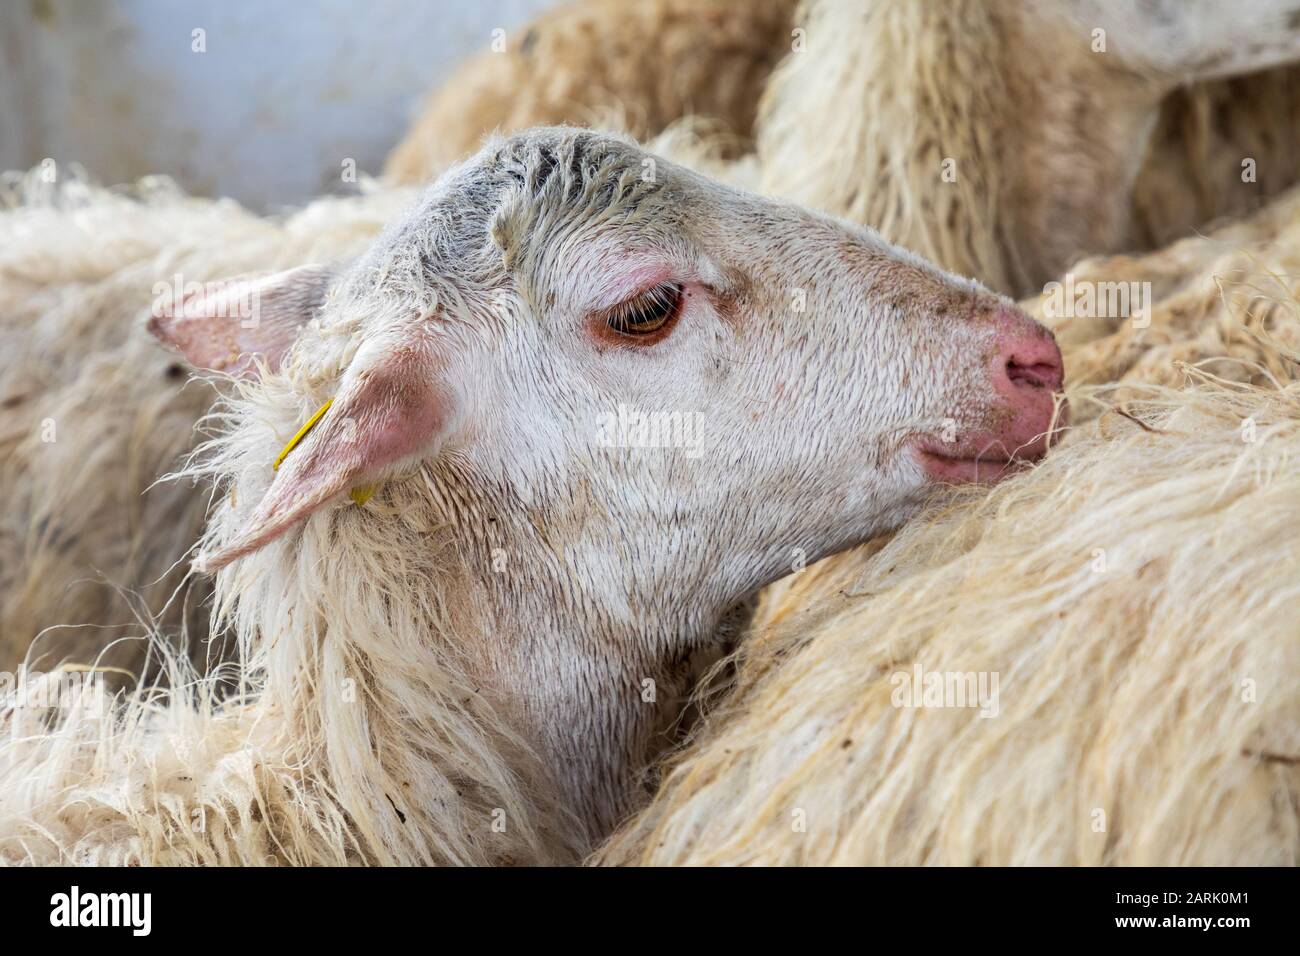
pixel 226 325
pixel 387 412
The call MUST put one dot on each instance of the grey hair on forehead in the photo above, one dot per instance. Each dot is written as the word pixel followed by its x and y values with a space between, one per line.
pixel 473 225
pixel 564 178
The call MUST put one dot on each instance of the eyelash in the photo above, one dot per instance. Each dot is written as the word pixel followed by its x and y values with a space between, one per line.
pixel 649 313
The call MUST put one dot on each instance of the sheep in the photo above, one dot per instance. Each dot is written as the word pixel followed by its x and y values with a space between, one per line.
pixel 640 65
pixel 1135 596
pixel 80 561
pixel 1000 140
pixel 990 174
pixel 460 596
pixel 92 412
pixel 1189 323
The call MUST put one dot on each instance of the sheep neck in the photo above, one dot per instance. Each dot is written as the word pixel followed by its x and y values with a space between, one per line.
pixel 588 685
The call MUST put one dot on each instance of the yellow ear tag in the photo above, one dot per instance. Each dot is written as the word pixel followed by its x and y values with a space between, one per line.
pixel 301 434
pixel 360 494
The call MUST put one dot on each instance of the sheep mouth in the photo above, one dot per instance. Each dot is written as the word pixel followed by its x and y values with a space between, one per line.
pixel 988 465
pixel 988 455
pixel 979 469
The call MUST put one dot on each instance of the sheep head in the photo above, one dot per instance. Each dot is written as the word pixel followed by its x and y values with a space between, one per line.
pixel 662 393
pixel 566 305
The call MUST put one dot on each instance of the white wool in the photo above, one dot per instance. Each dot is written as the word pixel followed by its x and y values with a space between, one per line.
pixel 93 412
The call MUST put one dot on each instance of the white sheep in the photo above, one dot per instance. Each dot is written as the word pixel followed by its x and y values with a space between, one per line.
pixel 89 535
pixel 467 588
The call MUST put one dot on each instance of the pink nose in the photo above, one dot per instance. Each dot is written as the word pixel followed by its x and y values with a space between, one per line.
pixel 1025 369
pixel 1027 362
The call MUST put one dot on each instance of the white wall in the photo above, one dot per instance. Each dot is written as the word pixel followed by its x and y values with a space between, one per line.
pixel 284 93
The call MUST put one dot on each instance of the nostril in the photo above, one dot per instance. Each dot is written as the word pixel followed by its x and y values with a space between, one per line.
pixel 1027 356
pixel 1035 374
pixel 1032 362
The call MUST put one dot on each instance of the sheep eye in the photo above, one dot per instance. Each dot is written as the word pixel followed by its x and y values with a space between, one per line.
pixel 647 313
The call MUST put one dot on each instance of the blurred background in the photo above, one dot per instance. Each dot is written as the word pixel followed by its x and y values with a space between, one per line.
pixel 282 94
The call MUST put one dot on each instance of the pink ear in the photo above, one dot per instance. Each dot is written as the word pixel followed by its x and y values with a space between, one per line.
pixel 226 324
pixel 387 412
